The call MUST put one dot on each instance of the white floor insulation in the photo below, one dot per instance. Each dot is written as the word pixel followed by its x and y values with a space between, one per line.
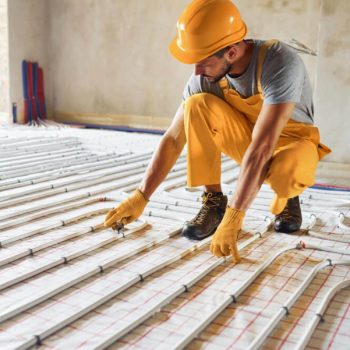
pixel 66 282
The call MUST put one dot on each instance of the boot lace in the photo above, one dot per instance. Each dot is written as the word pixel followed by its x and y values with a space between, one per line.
pixel 208 202
pixel 285 216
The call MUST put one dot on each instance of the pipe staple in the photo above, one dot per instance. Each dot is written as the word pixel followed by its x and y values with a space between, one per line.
pixel 234 299
pixel 65 260
pixel 30 252
pixel 186 288
pixel 37 340
pixel 101 268
pixel 141 277
pixel 329 262
pixel 286 309
pixel 320 317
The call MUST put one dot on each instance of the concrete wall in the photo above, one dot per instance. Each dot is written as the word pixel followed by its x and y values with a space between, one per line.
pixel 111 57
pixel 333 78
pixel 28 28
pixel 4 64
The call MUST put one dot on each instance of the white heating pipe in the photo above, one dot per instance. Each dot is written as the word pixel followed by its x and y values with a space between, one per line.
pixel 182 288
pixel 330 237
pixel 113 292
pixel 96 162
pixel 28 303
pixel 319 315
pixel 233 296
pixel 110 238
pixel 260 339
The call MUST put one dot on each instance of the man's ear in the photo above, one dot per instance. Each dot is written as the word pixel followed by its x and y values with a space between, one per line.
pixel 231 53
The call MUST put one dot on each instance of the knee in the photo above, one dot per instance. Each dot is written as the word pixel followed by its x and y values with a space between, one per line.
pixel 282 179
pixel 287 178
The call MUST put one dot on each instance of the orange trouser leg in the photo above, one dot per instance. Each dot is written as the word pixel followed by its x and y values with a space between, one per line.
pixel 212 126
pixel 292 170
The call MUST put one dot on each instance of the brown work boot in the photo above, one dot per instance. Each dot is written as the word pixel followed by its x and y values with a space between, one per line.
pixel 208 218
pixel 289 220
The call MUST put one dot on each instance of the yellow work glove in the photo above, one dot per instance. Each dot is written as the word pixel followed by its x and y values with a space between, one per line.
pixel 224 241
pixel 127 211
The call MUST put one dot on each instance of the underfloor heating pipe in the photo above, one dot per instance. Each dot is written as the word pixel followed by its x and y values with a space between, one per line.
pixel 111 238
pixel 111 180
pixel 319 315
pixel 284 311
pixel 331 237
pixel 42 166
pixel 120 171
pixel 19 254
pixel 78 195
pixel 38 155
pixel 38 163
pixel 91 165
pixel 128 169
pixel 44 155
pixel 26 304
pixel 47 146
pixel 182 288
pixel 90 179
pixel 232 297
pixel 138 277
pixel 15 144
pixel 54 223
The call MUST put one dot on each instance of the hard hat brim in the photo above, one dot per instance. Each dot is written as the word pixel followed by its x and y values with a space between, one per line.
pixel 191 57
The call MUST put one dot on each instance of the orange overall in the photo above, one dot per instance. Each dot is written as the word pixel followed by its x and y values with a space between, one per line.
pixel 214 125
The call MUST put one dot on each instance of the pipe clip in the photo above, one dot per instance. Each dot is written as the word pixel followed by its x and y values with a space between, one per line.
pixel 321 317
pixel 37 340
pixel 300 245
pixel 286 310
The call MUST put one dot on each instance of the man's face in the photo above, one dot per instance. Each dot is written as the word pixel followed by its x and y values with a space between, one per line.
pixel 213 68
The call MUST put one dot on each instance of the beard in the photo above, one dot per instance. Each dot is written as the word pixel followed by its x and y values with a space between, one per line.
pixel 224 71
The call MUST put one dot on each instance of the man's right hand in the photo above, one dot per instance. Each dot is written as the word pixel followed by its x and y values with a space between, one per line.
pixel 127 211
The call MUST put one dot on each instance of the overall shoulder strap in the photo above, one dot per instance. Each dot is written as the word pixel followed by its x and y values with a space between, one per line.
pixel 261 58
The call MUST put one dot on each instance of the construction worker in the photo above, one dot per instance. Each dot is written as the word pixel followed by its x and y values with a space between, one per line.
pixel 248 99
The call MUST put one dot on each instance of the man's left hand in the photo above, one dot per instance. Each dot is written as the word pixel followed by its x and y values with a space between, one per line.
pixel 224 241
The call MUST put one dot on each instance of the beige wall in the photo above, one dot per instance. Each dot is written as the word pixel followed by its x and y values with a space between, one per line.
pixel 4 64
pixel 110 57
pixel 28 28
pixel 333 78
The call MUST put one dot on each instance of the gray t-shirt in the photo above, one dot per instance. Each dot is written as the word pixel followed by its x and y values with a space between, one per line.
pixel 283 79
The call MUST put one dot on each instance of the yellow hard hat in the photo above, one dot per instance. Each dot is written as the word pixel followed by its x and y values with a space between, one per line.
pixel 205 27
